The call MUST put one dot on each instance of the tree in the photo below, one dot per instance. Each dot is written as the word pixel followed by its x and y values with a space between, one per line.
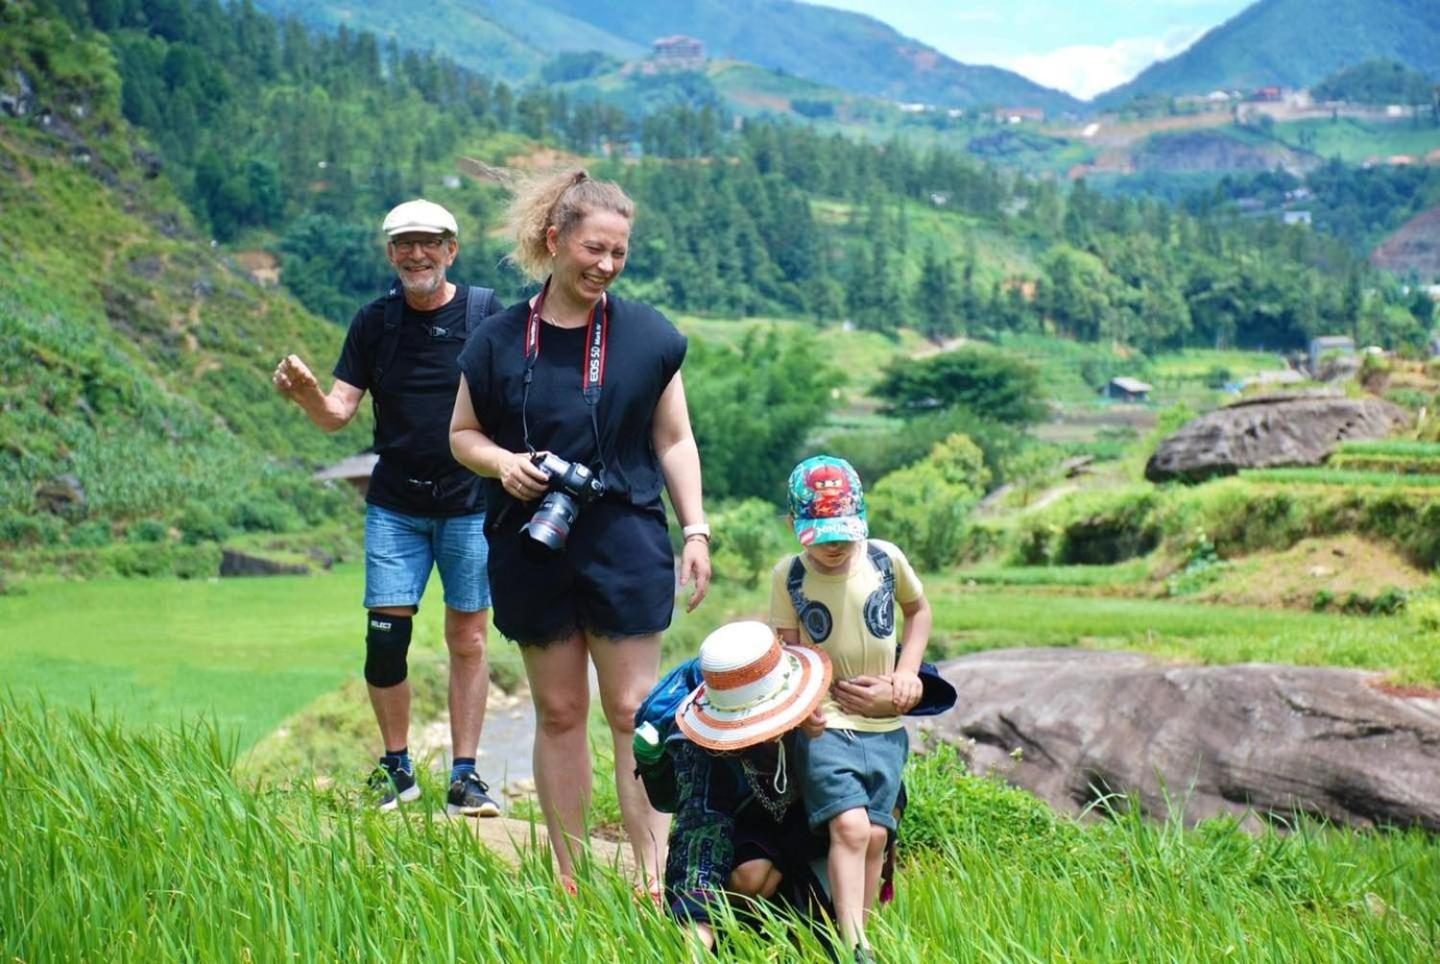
pixel 754 406
pixel 937 297
pixel 922 507
pixel 989 383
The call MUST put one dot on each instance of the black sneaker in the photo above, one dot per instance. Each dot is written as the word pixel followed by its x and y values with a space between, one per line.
pixel 469 796
pixel 392 787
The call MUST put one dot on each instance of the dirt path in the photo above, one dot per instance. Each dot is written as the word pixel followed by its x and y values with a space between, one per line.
pixel 511 839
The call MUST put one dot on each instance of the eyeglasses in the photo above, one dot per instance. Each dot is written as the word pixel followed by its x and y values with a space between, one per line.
pixel 430 245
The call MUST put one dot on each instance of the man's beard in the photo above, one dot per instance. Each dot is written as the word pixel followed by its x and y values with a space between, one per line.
pixel 424 288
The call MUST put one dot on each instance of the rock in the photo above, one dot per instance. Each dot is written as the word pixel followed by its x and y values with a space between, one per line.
pixel 17 98
pixel 1269 432
pixel 61 495
pixel 149 163
pixel 236 563
pixel 1251 739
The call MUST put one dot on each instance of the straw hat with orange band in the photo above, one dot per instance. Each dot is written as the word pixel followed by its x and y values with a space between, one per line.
pixel 755 688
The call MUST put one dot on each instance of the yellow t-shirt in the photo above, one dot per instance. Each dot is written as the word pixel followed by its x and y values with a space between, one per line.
pixel 854 647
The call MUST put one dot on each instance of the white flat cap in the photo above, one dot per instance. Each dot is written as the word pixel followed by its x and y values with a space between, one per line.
pixel 419 217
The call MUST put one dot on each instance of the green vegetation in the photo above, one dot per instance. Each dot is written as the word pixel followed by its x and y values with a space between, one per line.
pixel 987 383
pixel 243 653
pixel 1357 205
pixel 134 398
pixel 300 872
pixel 1294 43
pixel 1398 448
pixel 971 620
pixel 1343 477
pixel 1257 510
pixel 1376 82
pixel 1397 456
pixel 753 407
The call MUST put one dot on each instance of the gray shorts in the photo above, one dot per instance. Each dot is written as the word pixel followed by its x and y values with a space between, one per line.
pixel 844 769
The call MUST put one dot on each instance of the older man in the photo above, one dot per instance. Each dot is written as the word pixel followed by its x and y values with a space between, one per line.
pixel 424 509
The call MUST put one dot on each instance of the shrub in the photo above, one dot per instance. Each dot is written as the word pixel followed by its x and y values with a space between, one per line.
pixel 91 534
pixel 748 539
pixel 201 523
pixel 922 507
pixel 149 560
pixel 148 531
pixel 20 531
pixel 948 804
pixel 261 512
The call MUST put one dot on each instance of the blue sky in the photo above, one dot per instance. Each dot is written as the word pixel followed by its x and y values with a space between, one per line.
pixel 1079 46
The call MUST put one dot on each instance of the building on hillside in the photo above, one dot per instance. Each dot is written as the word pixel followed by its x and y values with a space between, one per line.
pixel 356 470
pixel 1297 217
pixel 1123 389
pixel 1342 345
pixel 678 52
pixel 1019 115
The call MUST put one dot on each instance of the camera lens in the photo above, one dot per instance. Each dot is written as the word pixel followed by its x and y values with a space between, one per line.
pixel 550 525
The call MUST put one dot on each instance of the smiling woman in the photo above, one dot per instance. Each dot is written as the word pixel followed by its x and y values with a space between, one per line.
pixel 575 400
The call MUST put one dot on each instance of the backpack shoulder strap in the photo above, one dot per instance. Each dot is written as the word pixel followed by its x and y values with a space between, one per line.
pixel 390 335
pixel 880 559
pixel 480 303
pixel 794 585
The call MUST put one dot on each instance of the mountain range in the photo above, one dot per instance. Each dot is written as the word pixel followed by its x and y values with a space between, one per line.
pixel 848 51
pixel 1295 43
pixel 1290 43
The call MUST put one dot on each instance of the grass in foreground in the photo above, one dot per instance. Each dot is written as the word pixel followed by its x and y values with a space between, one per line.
pixel 139 845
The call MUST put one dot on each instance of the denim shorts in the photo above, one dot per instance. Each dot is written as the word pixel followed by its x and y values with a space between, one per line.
pixel 400 550
pixel 844 769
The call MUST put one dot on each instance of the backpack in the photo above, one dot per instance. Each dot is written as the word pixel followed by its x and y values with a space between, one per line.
pixel 481 302
pixel 659 709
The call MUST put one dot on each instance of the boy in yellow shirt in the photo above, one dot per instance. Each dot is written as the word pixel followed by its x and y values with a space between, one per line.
pixel 840 594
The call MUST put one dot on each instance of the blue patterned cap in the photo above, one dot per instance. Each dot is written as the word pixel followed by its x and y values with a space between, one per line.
pixel 826 501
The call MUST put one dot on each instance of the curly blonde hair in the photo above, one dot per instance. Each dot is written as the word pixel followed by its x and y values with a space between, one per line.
pixel 560 199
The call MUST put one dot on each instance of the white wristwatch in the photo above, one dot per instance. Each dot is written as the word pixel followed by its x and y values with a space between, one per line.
pixel 696 529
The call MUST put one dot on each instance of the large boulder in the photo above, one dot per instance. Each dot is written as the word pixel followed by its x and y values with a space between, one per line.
pixel 1076 727
pixel 1268 432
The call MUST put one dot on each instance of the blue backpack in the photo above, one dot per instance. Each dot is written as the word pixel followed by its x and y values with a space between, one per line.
pixel 659 710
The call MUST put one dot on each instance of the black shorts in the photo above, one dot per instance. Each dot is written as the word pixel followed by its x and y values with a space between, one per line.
pixel 615 576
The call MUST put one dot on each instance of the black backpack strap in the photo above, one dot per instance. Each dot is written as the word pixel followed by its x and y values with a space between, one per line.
pixel 482 302
pixel 880 607
pixel 389 335
pixel 794 583
pixel 881 560
pixel 813 617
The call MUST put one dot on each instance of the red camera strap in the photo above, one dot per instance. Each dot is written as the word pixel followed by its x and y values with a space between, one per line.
pixel 592 365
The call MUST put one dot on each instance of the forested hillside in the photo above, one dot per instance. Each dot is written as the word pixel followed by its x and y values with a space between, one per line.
pixel 795 222
pixel 1295 43
pixel 136 416
pixel 151 127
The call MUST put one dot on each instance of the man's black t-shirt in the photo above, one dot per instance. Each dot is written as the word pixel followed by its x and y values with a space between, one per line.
pixel 416 473
pixel 642 354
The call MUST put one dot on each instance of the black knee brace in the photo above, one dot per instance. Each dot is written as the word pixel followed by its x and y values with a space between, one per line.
pixel 387 640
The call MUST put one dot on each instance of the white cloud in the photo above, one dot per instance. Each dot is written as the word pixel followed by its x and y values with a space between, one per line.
pixel 1089 69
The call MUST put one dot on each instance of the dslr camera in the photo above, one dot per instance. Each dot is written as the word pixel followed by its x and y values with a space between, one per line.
pixel 572 486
